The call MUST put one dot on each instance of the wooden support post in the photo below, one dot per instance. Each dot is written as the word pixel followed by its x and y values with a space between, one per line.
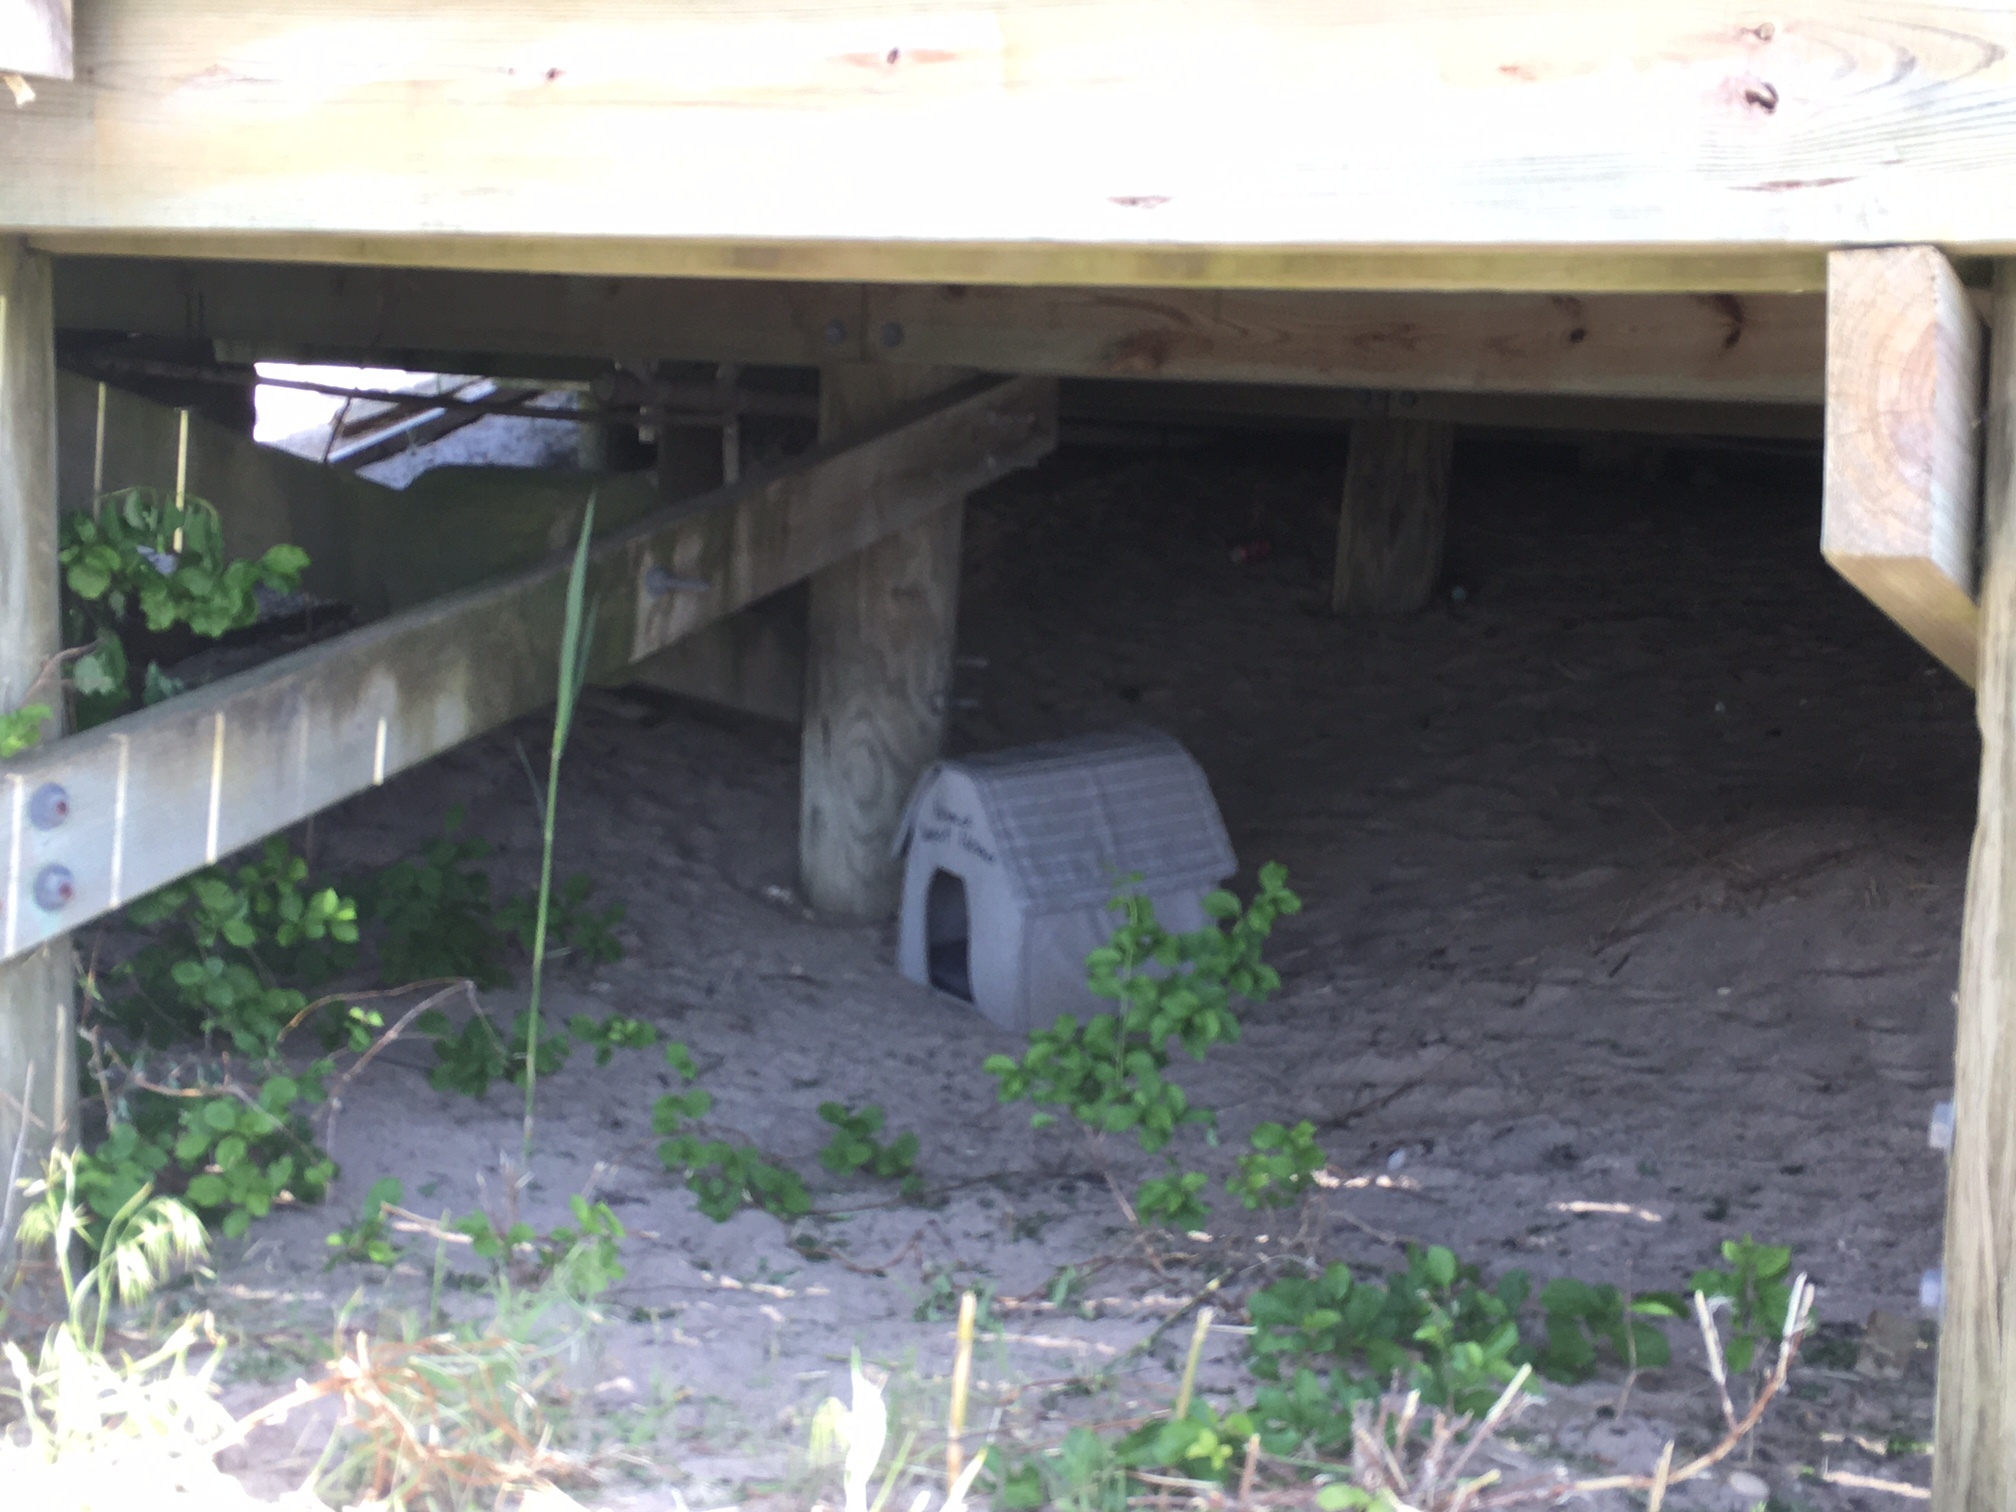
pixel 878 671
pixel 1396 510
pixel 1974 1458
pixel 1899 519
pixel 35 988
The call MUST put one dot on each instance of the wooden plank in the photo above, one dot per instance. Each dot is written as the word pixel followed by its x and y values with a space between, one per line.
pixel 1279 406
pixel 1974 1456
pixel 1395 513
pixel 1675 144
pixel 1766 348
pixel 1903 443
pixel 35 987
pixel 163 791
pixel 878 670
pixel 35 38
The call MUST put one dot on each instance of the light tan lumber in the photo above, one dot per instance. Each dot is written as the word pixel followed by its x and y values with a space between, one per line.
pixel 1767 348
pixel 35 987
pixel 1903 443
pixel 35 38
pixel 1394 516
pixel 1674 144
pixel 163 791
pixel 1974 1454
pixel 879 639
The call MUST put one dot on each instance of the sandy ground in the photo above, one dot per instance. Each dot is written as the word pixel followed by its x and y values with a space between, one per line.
pixel 1633 872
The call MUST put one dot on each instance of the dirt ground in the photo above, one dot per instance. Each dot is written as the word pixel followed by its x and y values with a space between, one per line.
pixel 1632 871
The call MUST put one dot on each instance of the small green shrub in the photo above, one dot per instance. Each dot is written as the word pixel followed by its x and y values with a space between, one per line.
pixel 220 943
pixel 1281 1168
pixel 147 559
pixel 612 1034
pixel 723 1177
pixel 435 915
pixel 1758 1290
pixel 1324 1343
pixel 469 1059
pixel 586 1260
pixel 854 1147
pixel 570 922
pixel 1581 1317
pixel 368 1241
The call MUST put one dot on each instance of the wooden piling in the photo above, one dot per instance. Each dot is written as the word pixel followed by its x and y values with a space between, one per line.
pixel 35 989
pixel 1395 512
pixel 878 670
pixel 1974 1456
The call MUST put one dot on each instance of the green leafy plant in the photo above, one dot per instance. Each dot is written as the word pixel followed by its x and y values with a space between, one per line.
pixel 368 1241
pixel 723 1177
pixel 247 1155
pixel 467 1060
pixel 586 1259
pixel 854 1147
pixel 1327 1342
pixel 220 942
pixel 1109 1072
pixel 1173 1200
pixel 583 931
pixel 1581 1317
pixel 21 729
pixel 148 559
pixel 434 913
pixel 612 1034
pixel 1757 1291
pixel 1281 1168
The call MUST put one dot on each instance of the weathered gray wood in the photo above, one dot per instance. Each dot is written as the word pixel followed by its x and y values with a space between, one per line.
pixel 878 671
pixel 1394 515
pixel 35 989
pixel 159 793
pixel 1974 1457
pixel 1903 442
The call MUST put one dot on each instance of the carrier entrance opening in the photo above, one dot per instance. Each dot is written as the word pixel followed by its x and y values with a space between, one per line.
pixel 948 930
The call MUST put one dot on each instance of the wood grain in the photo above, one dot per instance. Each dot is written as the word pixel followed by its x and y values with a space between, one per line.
pixel 1579 144
pixel 163 791
pixel 1394 516
pixel 1974 1456
pixel 36 988
pixel 1767 348
pixel 878 672
pixel 1904 380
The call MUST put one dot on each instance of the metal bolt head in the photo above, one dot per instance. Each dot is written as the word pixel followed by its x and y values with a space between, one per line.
pixel 836 332
pixel 54 886
pixel 48 806
pixel 891 334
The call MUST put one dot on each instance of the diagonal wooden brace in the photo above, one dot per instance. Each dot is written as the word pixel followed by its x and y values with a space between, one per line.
pixel 96 820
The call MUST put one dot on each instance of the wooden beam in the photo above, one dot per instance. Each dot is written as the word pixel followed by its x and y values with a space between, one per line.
pixel 35 986
pixel 35 38
pixel 1903 443
pixel 878 670
pixel 1673 144
pixel 1272 406
pixel 1974 1457
pixel 159 793
pixel 1763 348
pixel 1395 513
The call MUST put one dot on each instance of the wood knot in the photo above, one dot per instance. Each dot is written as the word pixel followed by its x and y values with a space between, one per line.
pixel 1763 96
